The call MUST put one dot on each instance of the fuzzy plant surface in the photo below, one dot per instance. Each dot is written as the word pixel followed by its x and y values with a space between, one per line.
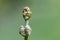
pixel 25 30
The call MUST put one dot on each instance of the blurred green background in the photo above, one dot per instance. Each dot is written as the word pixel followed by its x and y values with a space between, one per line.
pixel 45 21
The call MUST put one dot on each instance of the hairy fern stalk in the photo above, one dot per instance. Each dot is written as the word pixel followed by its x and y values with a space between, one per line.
pixel 25 30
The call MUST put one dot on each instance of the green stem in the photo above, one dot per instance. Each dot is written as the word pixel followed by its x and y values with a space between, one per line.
pixel 26 38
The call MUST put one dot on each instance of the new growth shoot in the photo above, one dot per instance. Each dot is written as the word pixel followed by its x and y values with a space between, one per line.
pixel 25 31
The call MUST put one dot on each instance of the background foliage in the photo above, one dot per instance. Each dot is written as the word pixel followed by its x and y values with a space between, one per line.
pixel 45 21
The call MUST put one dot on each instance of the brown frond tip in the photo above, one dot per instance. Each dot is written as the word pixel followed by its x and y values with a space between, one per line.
pixel 26 9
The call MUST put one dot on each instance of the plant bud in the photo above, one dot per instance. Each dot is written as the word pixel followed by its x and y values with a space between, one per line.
pixel 26 13
pixel 24 31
